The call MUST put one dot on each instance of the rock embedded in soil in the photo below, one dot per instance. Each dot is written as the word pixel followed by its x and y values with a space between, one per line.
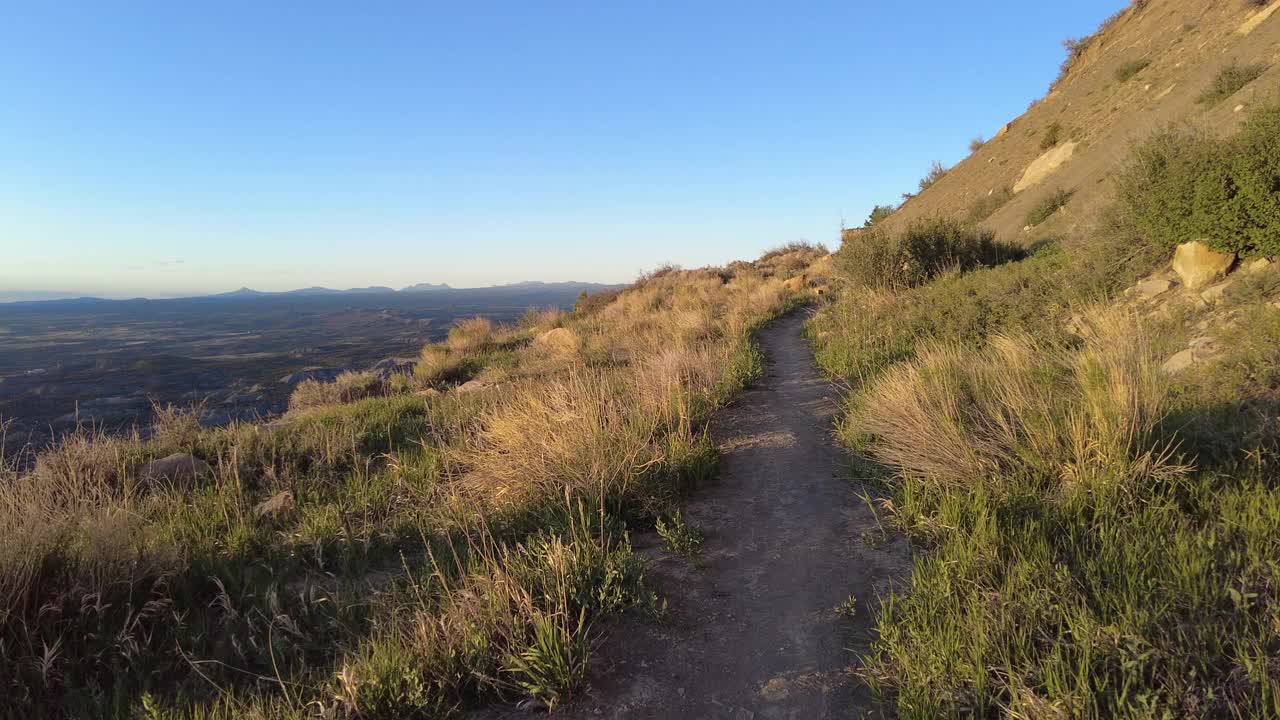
pixel 1198 265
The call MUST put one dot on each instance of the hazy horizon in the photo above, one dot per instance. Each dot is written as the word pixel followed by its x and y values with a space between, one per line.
pixel 185 150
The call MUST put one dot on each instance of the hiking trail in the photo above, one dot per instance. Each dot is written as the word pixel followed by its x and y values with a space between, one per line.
pixel 751 629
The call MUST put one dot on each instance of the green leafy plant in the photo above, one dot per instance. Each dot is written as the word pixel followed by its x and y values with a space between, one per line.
pixel 1229 81
pixel 923 250
pixel 1181 185
pixel 679 537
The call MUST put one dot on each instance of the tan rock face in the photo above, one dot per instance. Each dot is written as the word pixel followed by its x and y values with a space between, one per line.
pixel 1044 166
pixel 1258 264
pixel 1198 266
pixel 178 468
pixel 1152 287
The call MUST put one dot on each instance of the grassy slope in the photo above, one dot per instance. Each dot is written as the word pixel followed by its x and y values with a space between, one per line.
pixel 1100 538
pixel 441 548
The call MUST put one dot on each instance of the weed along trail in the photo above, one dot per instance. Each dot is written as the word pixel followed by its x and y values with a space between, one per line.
pixel 758 621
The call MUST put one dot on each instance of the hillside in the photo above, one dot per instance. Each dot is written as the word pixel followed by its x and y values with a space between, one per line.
pixel 1066 386
pixel 1174 50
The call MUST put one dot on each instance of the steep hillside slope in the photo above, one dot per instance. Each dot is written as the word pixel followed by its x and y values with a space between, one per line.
pixel 1074 406
pixel 1145 68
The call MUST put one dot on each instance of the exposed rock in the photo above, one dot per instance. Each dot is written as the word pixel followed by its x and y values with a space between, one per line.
pixel 428 393
pixel 384 369
pixel 1153 286
pixel 474 386
pixel 1045 165
pixel 278 504
pixel 1198 265
pixel 1179 362
pixel 1256 18
pixel 1257 264
pixel 558 340
pixel 1213 294
pixel 179 468
pixel 1004 130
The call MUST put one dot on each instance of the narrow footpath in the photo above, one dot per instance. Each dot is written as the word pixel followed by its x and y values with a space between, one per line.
pixel 752 629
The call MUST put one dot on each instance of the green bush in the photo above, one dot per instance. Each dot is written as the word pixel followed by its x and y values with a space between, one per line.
pixel 986 205
pixel 1229 81
pixel 878 213
pixel 1052 135
pixel 1052 203
pixel 1126 71
pixel 924 250
pixel 1182 186
pixel 936 172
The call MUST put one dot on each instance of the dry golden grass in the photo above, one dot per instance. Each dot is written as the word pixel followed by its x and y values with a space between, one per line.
pixel 470 335
pixel 1021 408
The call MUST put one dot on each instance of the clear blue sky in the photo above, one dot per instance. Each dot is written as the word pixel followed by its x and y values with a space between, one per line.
pixel 178 147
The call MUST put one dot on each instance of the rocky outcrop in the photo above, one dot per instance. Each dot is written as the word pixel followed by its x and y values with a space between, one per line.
pixel 1044 166
pixel 1197 265
pixel 179 468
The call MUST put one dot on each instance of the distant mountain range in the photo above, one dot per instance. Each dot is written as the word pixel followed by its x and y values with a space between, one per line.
pixel 24 297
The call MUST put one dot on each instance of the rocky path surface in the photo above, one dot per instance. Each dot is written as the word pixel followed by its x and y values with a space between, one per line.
pixel 752 629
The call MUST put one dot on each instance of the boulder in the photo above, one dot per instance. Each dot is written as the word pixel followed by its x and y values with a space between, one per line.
pixel 428 393
pixel 1044 166
pixel 1257 265
pixel 278 504
pixel 385 369
pixel 1151 287
pixel 1214 293
pixel 1198 265
pixel 558 340
pixel 1179 362
pixel 179 468
pixel 1004 130
pixel 471 386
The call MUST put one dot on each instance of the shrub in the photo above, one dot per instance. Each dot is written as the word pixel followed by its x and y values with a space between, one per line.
pixel 1181 186
pixel 347 387
pixel 922 251
pixel 1229 81
pixel 1052 135
pixel 1023 409
pixel 1126 71
pixel 1050 204
pixel 936 173
pixel 878 213
pixel 470 334
pixel 976 144
pixel 986 205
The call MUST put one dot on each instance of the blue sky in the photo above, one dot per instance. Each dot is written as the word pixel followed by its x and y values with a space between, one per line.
pixel 185 147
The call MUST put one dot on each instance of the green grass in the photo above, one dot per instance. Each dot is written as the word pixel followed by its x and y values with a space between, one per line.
pixel 1099 539
pixel 1044 209
pixel 986 205
pixel 441 550
pixel 1229 81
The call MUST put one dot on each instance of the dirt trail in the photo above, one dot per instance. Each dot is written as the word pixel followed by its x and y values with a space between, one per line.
pixel 752 630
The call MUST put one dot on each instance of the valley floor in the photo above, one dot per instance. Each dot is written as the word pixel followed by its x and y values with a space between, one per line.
pixel 752 629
